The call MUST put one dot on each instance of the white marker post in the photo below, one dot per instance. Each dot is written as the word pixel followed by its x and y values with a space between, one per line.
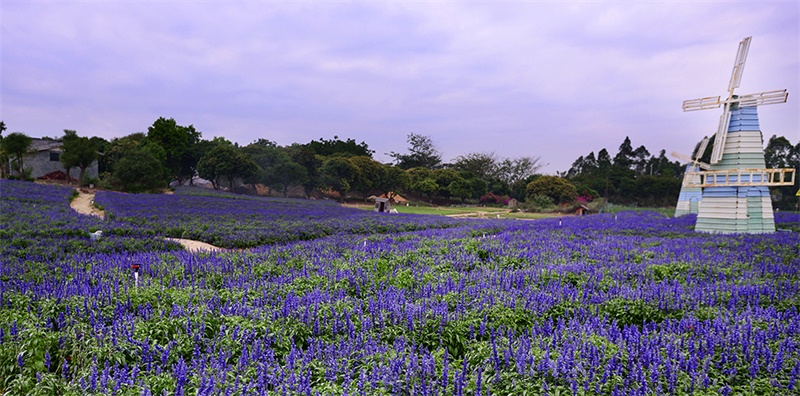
pixel 135 268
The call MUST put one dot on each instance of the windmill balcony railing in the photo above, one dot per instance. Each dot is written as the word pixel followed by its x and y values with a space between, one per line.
pixel 741 178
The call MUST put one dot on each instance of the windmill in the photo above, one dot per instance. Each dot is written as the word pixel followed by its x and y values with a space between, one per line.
pixel 735 187
pixel 689 197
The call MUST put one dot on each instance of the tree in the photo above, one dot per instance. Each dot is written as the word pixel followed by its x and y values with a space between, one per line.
pixel 426 186
pixel 176 140
pixel 443 178
pixel 780 153
pixel 77 152
pixel 278 170
pixel 393 179
pixel 461 189
pixel 482 165
pixel 16 146
pixel 339 174
pixel 140 169
pixel 625 156
pixel 224 161
pixel 422 153
pixel 336 146
pixel 311 162
pixel 370 173
pixel 286 174
pixel 511 170
pixel 118 147
pixel 640 162
pixel 558 189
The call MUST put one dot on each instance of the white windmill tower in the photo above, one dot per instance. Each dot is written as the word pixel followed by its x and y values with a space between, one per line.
pixel 736 186
pixel 690 197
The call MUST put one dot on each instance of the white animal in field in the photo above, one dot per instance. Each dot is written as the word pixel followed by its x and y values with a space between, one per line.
pixel 96 235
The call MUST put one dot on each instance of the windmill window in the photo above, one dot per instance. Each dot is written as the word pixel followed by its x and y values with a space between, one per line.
pixel 54 157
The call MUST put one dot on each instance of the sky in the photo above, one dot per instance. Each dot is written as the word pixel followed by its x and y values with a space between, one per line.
pixel 553 80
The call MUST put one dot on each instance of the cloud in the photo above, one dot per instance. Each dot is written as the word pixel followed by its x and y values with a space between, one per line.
pixel 551 79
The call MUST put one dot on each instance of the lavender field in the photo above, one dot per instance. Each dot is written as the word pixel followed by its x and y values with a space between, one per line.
pixel 358 303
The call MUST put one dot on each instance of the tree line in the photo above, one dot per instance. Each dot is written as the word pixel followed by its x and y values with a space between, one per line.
pixel 172 153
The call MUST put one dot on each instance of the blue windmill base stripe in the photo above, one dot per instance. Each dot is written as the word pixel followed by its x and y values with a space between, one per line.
pixel 736 210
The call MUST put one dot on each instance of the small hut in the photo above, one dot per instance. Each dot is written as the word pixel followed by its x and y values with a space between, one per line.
pixel 383 204
pixel 582 210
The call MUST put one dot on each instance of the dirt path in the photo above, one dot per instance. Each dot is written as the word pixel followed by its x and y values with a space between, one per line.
pixel 480 215
pixel 84 204
pixel 196 246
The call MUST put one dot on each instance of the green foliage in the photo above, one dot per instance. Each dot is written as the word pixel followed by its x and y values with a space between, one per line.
pixel 177 142
pixel 139 169
pixel 628 312
pixel 558 189
pixel 225 161
pixel 16 146
pixel 422 152
pixel 336 146
pixel 339 174
pixel 78 152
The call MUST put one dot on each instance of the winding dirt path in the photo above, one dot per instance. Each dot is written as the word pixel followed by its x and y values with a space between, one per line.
pixel 84 204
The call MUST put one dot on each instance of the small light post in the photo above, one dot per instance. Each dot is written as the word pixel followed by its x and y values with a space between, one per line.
pixel 135 268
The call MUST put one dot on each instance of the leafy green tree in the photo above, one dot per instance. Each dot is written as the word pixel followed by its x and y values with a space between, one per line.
pixel 482 165
pixel 393 180
pixel 311 162
pixel 370 174
pixel 78 152
pixel 461 189
pixel 519 188
pixel 443 178
pixel 426 186
pixel 118 147
pixel 16 146
pixel 278 170
pixel 625 155
pixel 780 153
pixel 416 175
pixel 224 161
pixel 140 169
pixel 511 170
pixel 478 187
pixel 176 140
pixel 336 146
pixel 339 174
pixel 286 174
pixel 422 152
pixel 657 190
pixel 558 189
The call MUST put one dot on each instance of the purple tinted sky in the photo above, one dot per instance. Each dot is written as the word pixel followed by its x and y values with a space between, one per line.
pixel 555 80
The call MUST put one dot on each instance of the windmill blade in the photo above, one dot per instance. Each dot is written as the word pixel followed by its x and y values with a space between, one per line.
pixel 738 64
pixel 722 134
pixel 691 160
pixel 711 102
pixel 701 149
pixel 763 98
pixel 680 156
